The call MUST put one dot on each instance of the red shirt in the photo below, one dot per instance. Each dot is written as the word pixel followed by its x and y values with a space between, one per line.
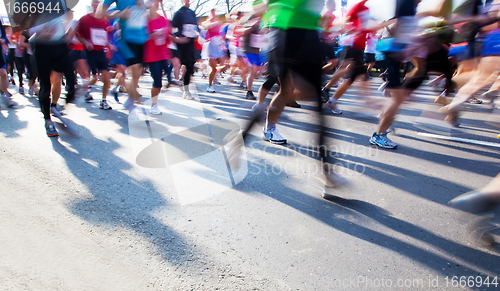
pixel 155 48
pixel 327 23
pixel 94 31
pixel 358 16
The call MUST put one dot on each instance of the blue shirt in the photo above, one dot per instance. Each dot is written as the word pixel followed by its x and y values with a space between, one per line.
pixel 136 33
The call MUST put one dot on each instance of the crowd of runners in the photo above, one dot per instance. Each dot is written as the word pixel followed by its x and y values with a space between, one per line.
pixel 306 47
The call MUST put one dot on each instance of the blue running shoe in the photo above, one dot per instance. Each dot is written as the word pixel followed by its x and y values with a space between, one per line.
pixel 382 141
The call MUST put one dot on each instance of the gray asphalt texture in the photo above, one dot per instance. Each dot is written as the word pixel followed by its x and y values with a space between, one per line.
pixel 78 213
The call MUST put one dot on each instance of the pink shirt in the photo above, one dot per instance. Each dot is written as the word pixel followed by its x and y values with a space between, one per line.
pixel 214 31
pixel 236 40
pixel 156 47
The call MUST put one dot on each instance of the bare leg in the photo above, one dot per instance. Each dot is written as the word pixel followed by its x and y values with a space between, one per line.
pixel 398 96
pixel 106 82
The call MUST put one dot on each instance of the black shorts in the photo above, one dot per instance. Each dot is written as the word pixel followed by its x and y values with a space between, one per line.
pixel 2 60
pixel 303 57
pixel 175 54
pixel 75 55
pixel 393 71
pixel 187 53
pixel 138 52
pixel 276 51
pixel 369 58
pixel 329 51
pixel 97 61
pixel 354 55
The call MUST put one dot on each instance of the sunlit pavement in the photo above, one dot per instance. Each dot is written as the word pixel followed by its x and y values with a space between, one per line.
pixel 88 213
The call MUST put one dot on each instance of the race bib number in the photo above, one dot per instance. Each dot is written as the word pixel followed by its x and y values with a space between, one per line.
pixel 189 30
pixel 98 36
pixel 257 40
pixel 161 40
pixel 138 18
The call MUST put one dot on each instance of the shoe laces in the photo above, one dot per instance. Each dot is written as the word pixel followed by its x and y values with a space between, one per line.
pixel 384 137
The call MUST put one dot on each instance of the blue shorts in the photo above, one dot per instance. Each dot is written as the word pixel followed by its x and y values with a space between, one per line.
pixel 455 51
pixel 254 59
pixel 118 59
pixel 491 44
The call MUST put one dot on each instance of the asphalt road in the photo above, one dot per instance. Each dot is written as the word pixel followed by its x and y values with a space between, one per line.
pixel 94 212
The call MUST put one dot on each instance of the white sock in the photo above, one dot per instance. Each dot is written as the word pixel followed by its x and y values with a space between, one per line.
pixel 270 126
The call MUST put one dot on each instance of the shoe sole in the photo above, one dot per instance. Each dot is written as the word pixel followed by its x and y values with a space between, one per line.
pixel 382 146
pixel 275 142
pixel 52 135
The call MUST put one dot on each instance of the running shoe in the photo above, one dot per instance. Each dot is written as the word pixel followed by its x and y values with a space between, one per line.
pixel 243 85
pixel 383 86
pixel 21 90
pixel 115 94
pixel 187 95
pixel 325 94
pixel 103 104
pixel 474 100
pixel 332 105
pixel 12 81
pixel 273 136
pixel 382 141
pixel 293 104
pixel 333 179
pixel 176 83
pixel 121 89
pixel 155 110
pixel 210 89
pixel 88 97
pixel 384 76
pixel 250 96
pixel 231 80
pixel 492 96
pixel 216 82
pixel 55 111
pixel 6 100
pixel 31 91
pixel 129 104
pixel 50 129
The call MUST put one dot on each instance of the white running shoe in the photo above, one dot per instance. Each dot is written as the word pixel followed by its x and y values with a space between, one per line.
pixel 104 105
pixel 6 100
pixel 210 89
pixel 155 110
pixel 332 105
pixel 187 95
pixel 273 136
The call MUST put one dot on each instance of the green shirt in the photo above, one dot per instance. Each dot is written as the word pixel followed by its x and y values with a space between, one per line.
pixel 286 14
